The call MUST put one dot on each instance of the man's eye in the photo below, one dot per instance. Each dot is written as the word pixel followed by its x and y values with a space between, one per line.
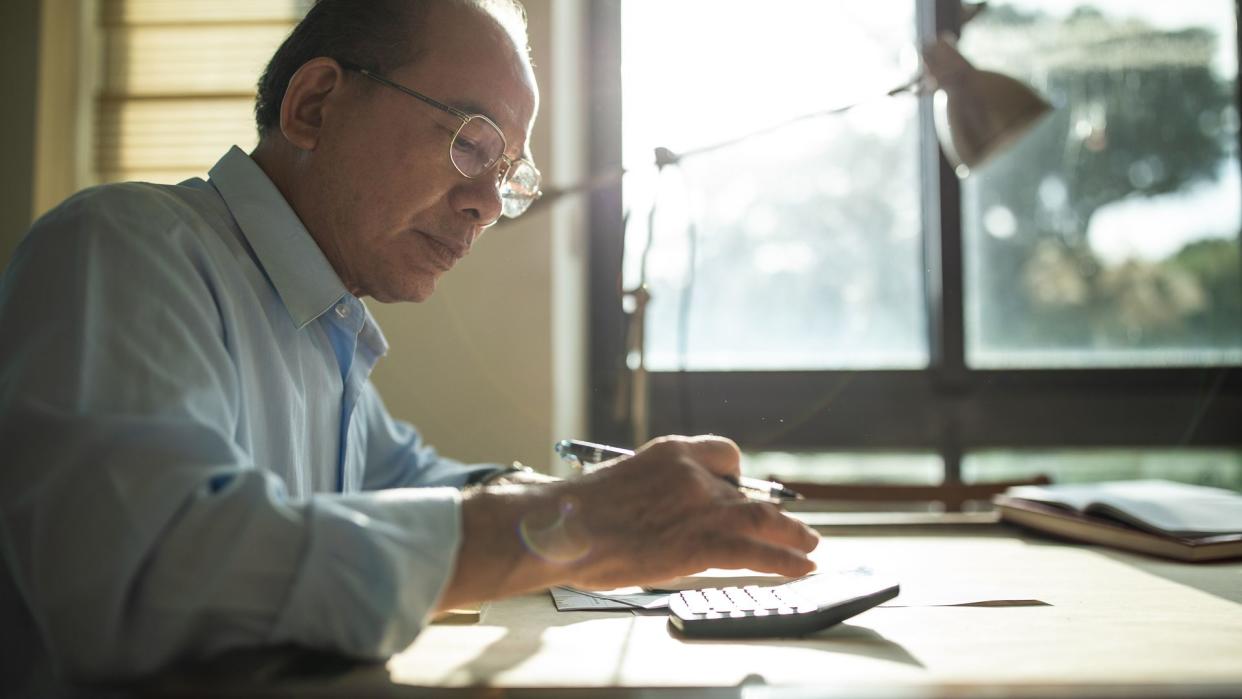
pixel 465 145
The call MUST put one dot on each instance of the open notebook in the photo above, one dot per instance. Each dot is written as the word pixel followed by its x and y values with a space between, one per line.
pixel 1177 520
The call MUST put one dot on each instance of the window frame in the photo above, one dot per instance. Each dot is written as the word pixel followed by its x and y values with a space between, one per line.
pixel 947 408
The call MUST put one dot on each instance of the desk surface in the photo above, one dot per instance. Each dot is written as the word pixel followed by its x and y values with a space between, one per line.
pixel 1113 624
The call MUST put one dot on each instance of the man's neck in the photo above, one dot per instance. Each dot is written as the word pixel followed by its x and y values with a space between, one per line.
pixel 277 159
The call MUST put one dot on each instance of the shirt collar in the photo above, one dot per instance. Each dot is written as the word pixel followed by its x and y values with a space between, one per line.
pixel 303 277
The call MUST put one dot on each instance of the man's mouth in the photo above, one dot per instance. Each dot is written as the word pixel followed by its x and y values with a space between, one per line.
pixel 443 254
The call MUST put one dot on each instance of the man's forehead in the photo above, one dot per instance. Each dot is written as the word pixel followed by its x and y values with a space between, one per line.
pixel 477 65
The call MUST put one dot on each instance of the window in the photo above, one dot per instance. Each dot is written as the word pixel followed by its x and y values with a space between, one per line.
pixel 1109 237
pixel 796 248
pixel 830 285
pixel 176 82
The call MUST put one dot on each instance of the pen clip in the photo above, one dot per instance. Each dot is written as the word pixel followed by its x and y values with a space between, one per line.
pixel 572 452
pixel 563 449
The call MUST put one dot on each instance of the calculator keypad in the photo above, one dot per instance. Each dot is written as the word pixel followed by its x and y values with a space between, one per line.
pixel 752 600
pixel 793 608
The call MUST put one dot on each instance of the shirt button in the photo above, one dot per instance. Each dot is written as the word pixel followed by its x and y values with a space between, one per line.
pixel 342 310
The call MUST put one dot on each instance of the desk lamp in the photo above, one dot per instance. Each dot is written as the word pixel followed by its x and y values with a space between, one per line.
pixel 977 114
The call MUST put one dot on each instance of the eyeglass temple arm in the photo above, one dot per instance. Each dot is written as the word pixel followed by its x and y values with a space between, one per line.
pixel 416 95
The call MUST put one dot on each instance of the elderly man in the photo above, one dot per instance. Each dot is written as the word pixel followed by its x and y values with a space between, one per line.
pixel 195 459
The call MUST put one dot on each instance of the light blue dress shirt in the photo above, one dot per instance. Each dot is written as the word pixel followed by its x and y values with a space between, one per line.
pixel 194 457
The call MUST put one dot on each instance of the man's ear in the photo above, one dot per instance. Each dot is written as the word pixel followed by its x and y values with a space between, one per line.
pixel 306 100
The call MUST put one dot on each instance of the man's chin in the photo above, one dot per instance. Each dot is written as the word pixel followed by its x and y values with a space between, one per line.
pixel 421 290
pixel 413 293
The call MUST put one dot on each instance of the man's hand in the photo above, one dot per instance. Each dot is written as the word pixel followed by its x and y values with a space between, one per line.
pixel 668 511
pixel 665 512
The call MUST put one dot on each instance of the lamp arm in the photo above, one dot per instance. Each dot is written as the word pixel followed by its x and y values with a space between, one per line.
pixel 665 156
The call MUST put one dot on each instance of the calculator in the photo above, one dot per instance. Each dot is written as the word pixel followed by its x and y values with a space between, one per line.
pixel 795 608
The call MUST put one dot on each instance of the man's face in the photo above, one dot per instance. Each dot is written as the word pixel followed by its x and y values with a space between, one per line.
pixel 390 211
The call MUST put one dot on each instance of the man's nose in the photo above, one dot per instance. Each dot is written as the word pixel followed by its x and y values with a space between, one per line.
pixel 479 198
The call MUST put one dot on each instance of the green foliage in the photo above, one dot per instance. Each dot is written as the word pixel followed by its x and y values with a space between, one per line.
pixel 1217 266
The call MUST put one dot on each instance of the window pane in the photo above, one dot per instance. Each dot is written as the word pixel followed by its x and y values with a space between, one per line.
pixel 1109 236
pixel 838 468
pixel 799 248
pixel 1219 468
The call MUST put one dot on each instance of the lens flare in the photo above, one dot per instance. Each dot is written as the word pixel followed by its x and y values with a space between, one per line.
pixel 556 535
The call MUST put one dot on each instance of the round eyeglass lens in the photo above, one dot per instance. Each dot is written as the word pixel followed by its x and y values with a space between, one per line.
pixel 477 146
pixel 512 207
pixel 520 189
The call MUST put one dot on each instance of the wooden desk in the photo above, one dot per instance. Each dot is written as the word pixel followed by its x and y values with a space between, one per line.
pixel 1114 624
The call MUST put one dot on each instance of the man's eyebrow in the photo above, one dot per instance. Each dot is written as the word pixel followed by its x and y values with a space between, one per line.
pixel 473 108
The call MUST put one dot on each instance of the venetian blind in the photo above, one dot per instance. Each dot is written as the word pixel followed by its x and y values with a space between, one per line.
pixel 176 82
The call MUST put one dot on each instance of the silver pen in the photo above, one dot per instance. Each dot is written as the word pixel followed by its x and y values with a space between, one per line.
pixel 580 454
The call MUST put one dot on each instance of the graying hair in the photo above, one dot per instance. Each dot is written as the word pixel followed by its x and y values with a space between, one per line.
pixel 382 35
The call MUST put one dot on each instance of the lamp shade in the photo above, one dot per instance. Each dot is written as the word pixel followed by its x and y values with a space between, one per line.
pixel 977 112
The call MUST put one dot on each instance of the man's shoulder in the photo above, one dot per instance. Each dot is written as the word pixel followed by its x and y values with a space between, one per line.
pixel 184 216
pixel 126 228
pixel 141 206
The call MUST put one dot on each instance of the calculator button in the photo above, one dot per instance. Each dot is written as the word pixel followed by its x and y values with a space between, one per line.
pixel 717 600
pixel 696 602
pixel 766 600
pixel 741 599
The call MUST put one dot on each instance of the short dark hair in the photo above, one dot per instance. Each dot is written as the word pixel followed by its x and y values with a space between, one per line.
pixel 374 33
pixel 381 35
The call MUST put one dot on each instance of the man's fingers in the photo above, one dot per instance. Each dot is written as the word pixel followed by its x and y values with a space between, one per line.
pixel 768 522
pixel 758 536
pixel 761 556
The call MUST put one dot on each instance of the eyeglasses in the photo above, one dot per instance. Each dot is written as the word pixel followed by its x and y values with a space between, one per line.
pixel 477 146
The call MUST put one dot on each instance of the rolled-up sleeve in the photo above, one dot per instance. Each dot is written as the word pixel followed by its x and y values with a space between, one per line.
pixel 135 529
